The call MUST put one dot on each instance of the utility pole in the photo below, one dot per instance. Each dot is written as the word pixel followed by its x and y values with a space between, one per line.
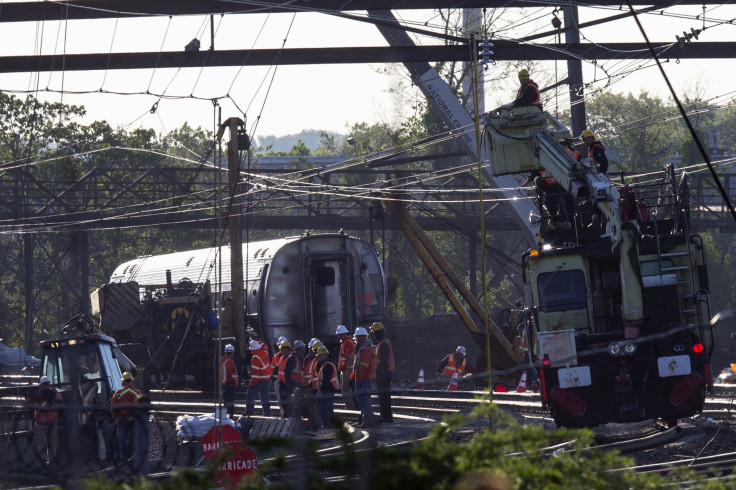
pixel 574 72
pixel 235 216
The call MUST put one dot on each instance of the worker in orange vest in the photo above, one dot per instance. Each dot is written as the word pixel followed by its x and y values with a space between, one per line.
pixel 228 379
pixel 385 366
pixel 290 375
pixel 275 360
pixel 596 151
pixel 528 93
pixel 260 378
pixel 363 369
pixel 455 363
pixel 123 410
pixel 345 367
pixel 327 385
pixel 309 384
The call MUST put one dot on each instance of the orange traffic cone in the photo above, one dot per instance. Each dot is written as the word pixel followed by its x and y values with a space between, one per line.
pixel 522 383
pixel 420 379
pixel 453 383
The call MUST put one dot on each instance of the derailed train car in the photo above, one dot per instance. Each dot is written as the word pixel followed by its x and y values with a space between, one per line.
pixel 298 287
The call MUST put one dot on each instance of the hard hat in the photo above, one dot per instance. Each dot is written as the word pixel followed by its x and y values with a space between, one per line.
pixel 298 344
pixel 285 343
pixel 341 329
pixel 361 331
pixel 586 134
pixel 322 350
pixel 126 377
pixel 523 74
pixel 281 339
pixel 376 326
pixel 312 342
pixel 569 138
pixel 317 345
pixel 229 348
pixel 460 349
pixel 44 379
pixel 254 345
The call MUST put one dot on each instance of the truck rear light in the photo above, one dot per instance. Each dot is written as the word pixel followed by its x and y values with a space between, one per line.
pixel 698 348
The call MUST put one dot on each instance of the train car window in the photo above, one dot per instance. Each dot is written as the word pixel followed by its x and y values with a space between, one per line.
pixel 562 290
pixel 325 276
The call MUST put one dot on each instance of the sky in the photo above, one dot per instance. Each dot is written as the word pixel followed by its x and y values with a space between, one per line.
pixel 288 99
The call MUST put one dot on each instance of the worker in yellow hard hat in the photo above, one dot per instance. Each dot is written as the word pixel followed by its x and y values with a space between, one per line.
pixel 528 93
pixel 596 151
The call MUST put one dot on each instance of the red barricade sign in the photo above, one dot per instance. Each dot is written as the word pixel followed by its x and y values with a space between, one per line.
pixel 242 460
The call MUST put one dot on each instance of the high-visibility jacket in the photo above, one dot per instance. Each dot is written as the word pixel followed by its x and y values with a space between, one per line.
pixel 527 95
pixel 310 371
pixel 598 153
pixel 347 352
pixel 260 366
pixel 386 363
pixel 275 361
pixel 365 362
pixel 43 403
pixel 228 371
pixel 574 153
pixel 123 404
pixel 327 378
pixel 547 179
pixel 295 375
pixel 451 367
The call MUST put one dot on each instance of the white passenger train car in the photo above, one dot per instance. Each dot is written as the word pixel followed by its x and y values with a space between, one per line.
pixel 298 287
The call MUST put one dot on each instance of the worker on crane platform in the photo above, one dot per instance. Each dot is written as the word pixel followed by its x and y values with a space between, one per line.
pixel 528 93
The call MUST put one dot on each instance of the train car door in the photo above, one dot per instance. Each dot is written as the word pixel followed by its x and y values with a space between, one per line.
pixel 328 290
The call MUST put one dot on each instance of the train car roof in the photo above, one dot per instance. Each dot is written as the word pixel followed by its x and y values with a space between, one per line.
pixel 201 265
pixel 196 265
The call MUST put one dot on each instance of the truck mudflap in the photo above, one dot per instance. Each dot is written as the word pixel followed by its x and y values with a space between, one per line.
pixel 569 401
pixel 685 389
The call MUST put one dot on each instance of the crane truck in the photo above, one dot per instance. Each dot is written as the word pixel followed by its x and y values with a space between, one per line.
pixel 617 313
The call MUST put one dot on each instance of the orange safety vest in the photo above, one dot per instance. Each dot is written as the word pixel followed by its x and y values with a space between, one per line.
pixel 333 380
pixel 534 86
pixel 574 153
pixel 260 366
pixel 547 181
pixel 275 361
pixel 390 361
pixel 590 153
pixel 309 373
pixel 228 371
pixel 347 351
pixel 123 403
pixel 365 363
pixel 43 413
pixel 296 373
pixel 450 368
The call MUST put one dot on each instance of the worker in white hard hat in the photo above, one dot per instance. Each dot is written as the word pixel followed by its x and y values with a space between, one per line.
pixel 45 418
pixel 455 362
pixel 229 379
pixel 345 367
pixel 275 361
pixel 363 368
pixel 260 378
